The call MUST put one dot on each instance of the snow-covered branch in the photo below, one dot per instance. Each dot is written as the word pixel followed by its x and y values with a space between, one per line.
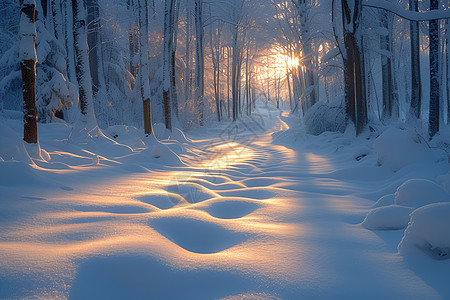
pixel 406 14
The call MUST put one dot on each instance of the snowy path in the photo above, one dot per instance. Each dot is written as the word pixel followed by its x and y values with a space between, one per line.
pixel 247 219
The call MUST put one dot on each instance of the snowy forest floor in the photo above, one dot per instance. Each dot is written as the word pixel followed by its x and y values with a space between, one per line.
pixel 255 209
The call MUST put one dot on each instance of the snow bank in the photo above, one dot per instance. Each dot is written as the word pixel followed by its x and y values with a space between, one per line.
pixel 429 230
pixel 444 181
pixel 396 149
pixel 161 132
pixel 12 146
pixel 391 217
pixel 420 192
pixel 384 201
pixel 127 135
pixel 323 117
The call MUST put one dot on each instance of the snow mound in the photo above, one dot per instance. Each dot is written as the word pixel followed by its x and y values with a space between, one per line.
pixel 384 201
pixel 161 132
pixel 429 230
pixel 11 146
pixel 197 236
pixel 158 152
pixel 323 117
pixel 231 209
pixel 444 181
pixel 396 149
pixel 392 217
pixel 420 192
pixel 191 192
pixel 162 201
pixel 178 135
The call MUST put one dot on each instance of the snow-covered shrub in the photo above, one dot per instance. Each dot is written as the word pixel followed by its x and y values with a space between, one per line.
pixel 391 217
pixel 396 148
pixel 323 117
pixel 53 90
pixel 428 230
pixel 420 192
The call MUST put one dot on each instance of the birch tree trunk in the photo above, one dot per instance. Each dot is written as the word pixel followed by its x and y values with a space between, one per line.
pixel 82 68
pixel 27 52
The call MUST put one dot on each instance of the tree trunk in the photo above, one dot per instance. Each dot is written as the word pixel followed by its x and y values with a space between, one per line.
pixel 199 66
pixel 173 51
pixel 187 75
pixel 386 67
pixel 447 60
pixel 434 72
pixel 166 62
pixel 93 29
pixel 416 82
pixel 83 71
pixel 27 52
pixel 144 75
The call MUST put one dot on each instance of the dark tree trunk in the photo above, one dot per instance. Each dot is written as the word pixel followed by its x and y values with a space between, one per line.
pixel 167 59
pixel 434 72
pixel 93 40
pixel 143 72
pixel 199 55
pixel 28 68
pixel 386 68
pixel 83 71
pixel 355 103
pixel 173 85
pixel 416 82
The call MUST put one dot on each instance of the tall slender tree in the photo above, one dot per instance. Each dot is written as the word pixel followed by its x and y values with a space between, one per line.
pixel 416 82
pixel 167 59
pixel 386 66
pixel 143 69
pixel 28 67
pixel 434 72
pixel 355 103
pixel 83 71
pixel 199 60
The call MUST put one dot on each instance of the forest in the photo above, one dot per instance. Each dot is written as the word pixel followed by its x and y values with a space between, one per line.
pixel 237 149
pixel 213 60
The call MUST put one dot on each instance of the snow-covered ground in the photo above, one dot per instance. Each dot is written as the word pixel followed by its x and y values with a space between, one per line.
pixel 255 209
